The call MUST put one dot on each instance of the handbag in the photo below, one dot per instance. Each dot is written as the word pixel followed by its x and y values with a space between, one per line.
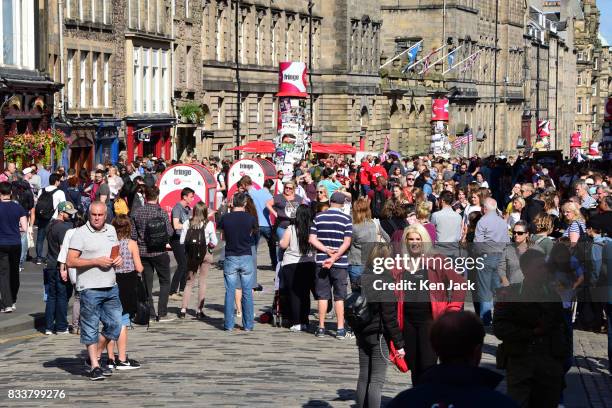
pixel 501 357
pixel 396 359
pixel 143 309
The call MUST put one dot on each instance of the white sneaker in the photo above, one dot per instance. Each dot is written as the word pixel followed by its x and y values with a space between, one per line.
pixel 63 332
pixel 14 307
pixel 7 310
pixel 48 332
pixel 296 328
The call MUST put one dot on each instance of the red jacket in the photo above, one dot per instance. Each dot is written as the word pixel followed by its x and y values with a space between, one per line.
pixel 441 300
pixel 364 173
pixel 376 172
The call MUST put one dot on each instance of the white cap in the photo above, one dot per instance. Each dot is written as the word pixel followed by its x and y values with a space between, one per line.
pixel 589 181
pixel 27 170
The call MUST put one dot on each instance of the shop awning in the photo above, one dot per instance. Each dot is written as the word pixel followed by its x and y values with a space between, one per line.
pixel 333 148
pixel 258 146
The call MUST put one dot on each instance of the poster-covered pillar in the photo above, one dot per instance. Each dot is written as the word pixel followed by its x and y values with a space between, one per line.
pixel 292 140
pixel 440 144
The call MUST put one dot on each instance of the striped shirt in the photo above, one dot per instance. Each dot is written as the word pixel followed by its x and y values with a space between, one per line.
pixel 576 226
pixel 331 227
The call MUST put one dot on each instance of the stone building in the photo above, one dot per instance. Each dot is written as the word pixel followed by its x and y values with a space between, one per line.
pixel 483 87
pixel 589 54
pixel 26 87
pixel 82 56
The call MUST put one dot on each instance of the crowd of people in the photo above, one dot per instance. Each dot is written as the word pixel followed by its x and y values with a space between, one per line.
pixel 541 229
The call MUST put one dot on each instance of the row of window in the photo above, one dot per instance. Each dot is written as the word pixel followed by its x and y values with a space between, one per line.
pixel 151 80
pixel 97 11
pixel 265 36
pixel 88 79
pixel 147 15
pixel 17 33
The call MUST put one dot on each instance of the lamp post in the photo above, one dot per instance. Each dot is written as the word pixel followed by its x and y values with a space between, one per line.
pixel 238 95
pixel 310 6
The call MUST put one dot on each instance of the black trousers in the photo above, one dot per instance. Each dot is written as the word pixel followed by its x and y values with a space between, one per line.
pixel 295 283
pixel 179 278
pixel 9 274
pixel 372 370
pixel 161 265
pixel 419 354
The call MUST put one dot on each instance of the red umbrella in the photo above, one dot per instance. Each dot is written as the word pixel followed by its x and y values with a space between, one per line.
pixel 257 146
pixel 334 148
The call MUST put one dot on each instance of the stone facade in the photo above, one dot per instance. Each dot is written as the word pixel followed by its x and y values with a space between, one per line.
pixel 164 54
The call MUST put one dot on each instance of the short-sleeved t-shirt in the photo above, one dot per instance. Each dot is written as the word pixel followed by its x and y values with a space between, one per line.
pixel 94 244
pixel 260 199
pixel 104 189
pixel 10 213
pixel 576 227
pixel 286 209
pixel 182 213
pixel 237 230
pixel 331 227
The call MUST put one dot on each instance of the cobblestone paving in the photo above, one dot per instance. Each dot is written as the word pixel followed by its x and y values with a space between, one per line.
pixel 197 364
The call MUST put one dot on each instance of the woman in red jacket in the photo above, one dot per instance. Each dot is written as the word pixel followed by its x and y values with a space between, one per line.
pixel 430 294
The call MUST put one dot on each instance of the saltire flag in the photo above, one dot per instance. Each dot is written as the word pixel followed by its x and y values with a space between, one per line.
pixel 471 61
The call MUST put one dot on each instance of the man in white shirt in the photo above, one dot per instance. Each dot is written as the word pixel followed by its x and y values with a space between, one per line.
pixel 42 222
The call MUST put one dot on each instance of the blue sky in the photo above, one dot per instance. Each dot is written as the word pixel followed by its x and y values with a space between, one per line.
pixel 605 22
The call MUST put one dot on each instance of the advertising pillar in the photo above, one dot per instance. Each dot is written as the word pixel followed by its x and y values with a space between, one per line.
pixel 293 132
pixel 439 127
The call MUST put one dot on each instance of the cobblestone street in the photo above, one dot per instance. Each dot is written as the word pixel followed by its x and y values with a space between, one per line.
pixel 196 363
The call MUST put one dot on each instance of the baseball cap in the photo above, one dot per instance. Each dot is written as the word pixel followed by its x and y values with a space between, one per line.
pixel 589 181
pixel 67 207
pixel 27 170
pixel 337 198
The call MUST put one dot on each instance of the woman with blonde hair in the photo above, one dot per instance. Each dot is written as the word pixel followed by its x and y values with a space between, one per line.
pixel 115 182
pixel 423 212
pixel 514 211
pixel 365 231
pixel 420 307
pixel 575 220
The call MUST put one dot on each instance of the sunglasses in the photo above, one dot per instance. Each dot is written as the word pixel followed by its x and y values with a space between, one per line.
pixel 519 232
pixel 410 179
pixel 288 188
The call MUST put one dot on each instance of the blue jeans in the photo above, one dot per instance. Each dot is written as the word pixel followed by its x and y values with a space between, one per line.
pixel 238 269
pixel 487 281
pixel 365 189
pixel 24 249
pixel 56 309
pixel 266 233
pixel 100 305
pixel 354 272
pixel 41 234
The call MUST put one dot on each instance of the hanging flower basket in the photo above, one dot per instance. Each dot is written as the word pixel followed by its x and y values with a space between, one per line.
pixel 34 147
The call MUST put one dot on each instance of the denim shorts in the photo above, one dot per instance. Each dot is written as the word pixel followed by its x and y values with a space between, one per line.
pixel 125 320
pixel 326 279
pixel 100 305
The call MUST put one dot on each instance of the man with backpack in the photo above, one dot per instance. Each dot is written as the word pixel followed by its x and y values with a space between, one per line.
pixel 379 196
pixel 45 210
pixel 151 229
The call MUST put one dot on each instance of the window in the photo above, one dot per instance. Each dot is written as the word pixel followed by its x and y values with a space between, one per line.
pixel 596 63
pixel 242 42
pixel 155 81
pixel 594 90
pixel 81 10
pixel 594 114
pixel 137 81
pixel 243 109
pixel 580 56
pixel 579 128
pixel 258 42
pixel 17 33
pixel 94 80
pixel 106 85
pixel 105 12
pixel 220 115
pixel 93 10
pixel 165 88
pixel 259 108
pixel 83 80
pixel 146 80
pixel 579 105
pixel 219 35
pixel 68 8
pixel 70 78
pixel 579 79
pixel 188 67
pixel 187 11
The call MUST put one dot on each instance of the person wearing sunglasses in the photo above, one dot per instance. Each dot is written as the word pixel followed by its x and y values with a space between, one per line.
pixel 509 268
pixel 283 207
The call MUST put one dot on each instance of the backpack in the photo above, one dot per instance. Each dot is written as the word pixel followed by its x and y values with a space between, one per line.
pixel 357 312
pixel 44 207
pixel 156 235
pixel 378 203
pixel 120 207
pixel 195 246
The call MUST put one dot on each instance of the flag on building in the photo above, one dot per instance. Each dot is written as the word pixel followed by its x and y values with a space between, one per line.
pixel 413 51
pixel 451 59
pixel 470 61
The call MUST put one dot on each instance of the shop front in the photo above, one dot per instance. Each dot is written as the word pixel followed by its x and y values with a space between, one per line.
pixel 107 142
pixel 82 147
pixel 149 138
